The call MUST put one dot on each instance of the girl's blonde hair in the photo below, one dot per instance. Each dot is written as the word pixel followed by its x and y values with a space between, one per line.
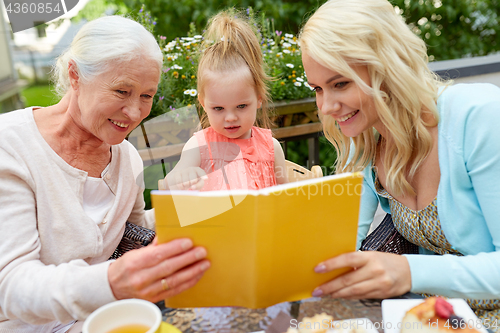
pixel 342 33
pixel 231 42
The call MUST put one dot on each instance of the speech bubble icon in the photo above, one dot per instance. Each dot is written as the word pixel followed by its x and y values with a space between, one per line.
pixel 25 14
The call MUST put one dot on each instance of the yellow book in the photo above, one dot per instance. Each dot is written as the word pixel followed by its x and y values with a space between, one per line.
pixel 263 245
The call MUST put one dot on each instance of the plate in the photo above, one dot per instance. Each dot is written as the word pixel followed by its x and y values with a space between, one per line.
pixel 393 311
pixel 344 326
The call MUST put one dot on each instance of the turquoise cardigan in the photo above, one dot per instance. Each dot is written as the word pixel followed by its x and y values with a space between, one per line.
pixel 468 198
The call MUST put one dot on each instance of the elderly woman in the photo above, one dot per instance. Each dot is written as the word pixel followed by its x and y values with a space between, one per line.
pixel 430 152
pixel 69 182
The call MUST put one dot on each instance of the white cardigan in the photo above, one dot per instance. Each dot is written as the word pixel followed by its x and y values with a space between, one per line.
pixel 53 257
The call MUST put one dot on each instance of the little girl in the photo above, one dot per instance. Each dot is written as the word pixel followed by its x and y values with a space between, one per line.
pixel 230 152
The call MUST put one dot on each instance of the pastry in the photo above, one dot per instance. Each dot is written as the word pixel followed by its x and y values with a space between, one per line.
pixel 434 315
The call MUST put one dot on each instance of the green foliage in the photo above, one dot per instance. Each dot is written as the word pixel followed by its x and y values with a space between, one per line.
pixel 97 8
pixel 454 28
pixel 151 175
pixel 283 59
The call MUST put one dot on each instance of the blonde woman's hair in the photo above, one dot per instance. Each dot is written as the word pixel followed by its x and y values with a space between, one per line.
pixel 342 33
pixel 102 44
pixel 231 42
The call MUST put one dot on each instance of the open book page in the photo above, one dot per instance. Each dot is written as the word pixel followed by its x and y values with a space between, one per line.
pixel 263 245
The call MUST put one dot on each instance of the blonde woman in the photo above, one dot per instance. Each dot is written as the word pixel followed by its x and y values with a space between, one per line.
pixel 430 153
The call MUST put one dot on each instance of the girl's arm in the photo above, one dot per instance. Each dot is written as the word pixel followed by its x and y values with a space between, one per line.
pixel 279 163
pixel 187 173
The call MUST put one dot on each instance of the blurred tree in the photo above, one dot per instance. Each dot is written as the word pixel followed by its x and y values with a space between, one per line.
pixel 454 28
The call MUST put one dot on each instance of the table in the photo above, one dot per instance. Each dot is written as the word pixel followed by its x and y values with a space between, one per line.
pixel 242 320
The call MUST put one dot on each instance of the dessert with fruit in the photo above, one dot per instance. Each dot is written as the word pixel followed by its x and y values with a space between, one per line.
pixel 434 315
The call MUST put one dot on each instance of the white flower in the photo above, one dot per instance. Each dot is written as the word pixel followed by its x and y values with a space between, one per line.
pixel 300 79
pixel 308 86
pixel 198 36
pixel 191 92
pixel 279 54
pixel 289 65
pixel 172 56
pixel 291 41
pixel 287 45
pixel 297 84
pixel 288 35
pixel 176 67
pixel 287 51
pixel 187 38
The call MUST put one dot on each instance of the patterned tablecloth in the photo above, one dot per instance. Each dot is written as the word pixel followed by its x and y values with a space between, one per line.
pixel 242 320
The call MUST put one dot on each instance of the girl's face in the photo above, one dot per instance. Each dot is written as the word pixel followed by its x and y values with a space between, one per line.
pixel 231 102
pixel 341 98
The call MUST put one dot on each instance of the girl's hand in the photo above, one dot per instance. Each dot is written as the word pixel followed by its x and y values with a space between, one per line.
pixel 190 178
pixel 139 273
pixel 374 275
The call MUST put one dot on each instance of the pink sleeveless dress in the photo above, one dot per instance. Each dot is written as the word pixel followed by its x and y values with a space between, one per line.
pixel 237 163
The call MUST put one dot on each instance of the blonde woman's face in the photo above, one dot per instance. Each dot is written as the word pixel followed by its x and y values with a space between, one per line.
pixel 341 98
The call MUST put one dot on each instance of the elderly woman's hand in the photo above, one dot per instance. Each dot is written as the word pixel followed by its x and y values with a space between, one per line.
pixel 374 275
pixel 158 271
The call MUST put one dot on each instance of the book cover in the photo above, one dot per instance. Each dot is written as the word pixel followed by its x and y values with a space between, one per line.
pixel 263 245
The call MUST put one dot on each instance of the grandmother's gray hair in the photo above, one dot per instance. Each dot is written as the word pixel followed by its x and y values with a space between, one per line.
pixel 101 44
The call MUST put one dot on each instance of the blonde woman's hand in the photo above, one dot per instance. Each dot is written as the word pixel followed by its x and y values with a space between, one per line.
pixel 139 273
pixel 190 178
pixel 374 275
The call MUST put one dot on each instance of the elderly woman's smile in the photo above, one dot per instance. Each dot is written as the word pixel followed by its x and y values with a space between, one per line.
pixel 116 101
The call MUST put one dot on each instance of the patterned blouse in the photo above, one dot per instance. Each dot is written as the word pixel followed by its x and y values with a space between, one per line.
pixel 423 228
